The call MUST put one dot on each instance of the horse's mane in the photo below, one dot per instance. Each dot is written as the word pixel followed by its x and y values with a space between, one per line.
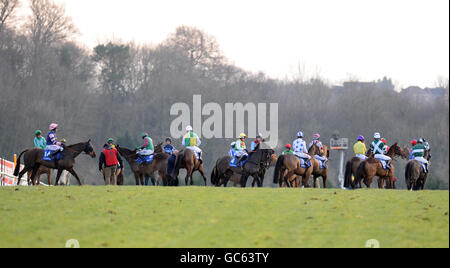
pixel 127 152
pixel 76 145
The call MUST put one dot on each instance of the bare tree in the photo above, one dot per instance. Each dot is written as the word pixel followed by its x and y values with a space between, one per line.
pixel 7 8
pixel 48 23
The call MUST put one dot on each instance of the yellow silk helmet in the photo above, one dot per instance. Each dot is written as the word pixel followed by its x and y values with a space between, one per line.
pixel 242 136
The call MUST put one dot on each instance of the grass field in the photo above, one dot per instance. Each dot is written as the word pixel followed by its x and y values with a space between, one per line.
pixel 218 217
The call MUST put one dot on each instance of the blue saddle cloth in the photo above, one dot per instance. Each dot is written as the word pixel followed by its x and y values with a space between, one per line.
pixel 304 163
pixel 50 156
pixel 321 163
pixel 145 159
pixel 234 162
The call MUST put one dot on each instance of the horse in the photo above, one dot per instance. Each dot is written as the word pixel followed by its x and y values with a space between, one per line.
pixel 33 160
pixel 187 159
pixel 258 163
pixel 415 177
pixel 131 157
pixel 317 171
pixel 372 167
pixel 288 170
pixel 159 164
pixel 41 170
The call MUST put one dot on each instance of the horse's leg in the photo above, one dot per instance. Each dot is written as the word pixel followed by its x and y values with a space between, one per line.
pixel 29 178
pixel 315 178
pixel 33 174
pixel 58 175
pixel 25 170
pixel 380 182
pixel 71 171
pixel 324 177
pixel 136 177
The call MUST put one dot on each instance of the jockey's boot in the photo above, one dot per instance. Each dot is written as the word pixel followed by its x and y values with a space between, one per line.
pixel 200 158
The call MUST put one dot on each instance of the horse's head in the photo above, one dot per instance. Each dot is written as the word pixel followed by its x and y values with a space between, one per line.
pixel 89 149
pixel 158 148
pixel 395 150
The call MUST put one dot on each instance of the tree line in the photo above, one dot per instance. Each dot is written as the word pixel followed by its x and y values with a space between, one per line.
pixel 120 89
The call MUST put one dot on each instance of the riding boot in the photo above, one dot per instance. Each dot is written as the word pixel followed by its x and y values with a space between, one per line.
pixel 241 159
pixel 200 157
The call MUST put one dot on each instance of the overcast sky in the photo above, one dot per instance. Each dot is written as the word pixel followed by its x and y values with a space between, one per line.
pixel 407 40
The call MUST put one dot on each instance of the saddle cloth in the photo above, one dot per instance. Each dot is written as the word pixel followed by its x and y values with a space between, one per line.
pixel 384 164
pixel 50 156
pixel 234 162
pixel 145 159
pixel 321 163
pixel 304 163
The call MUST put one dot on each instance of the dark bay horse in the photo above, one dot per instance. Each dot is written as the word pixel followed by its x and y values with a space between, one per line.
pixel 33 160
pixel 186 159
pixel 372 167
pixel 414 175
pixel 317 171
pixel 256 166
pixel 290 173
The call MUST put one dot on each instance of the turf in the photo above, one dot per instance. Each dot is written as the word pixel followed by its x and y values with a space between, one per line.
pixel 218 217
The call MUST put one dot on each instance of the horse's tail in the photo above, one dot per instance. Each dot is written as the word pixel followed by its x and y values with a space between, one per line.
pixel 17 169
pixel 408 174
pixel 214 176
pixel 176 169
pixel 348 174
pixel 276 173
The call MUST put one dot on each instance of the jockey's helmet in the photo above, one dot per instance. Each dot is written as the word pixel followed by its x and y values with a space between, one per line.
pixel 288 146
pixel 361 138
pixel 145 134
pixel 53 126
pixel 37 132
pixel 377 136
pixel 316 136
pixel 242 136
pixel 300 134
pixel 420 141
pixel 414 142
pixel 189 128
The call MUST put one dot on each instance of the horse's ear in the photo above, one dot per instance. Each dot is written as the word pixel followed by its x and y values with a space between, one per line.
pixel 89 141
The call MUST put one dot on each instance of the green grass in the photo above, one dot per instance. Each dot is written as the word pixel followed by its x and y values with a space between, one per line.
pixel 218 217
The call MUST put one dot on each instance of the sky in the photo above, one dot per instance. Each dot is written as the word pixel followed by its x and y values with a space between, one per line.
pixel 407 40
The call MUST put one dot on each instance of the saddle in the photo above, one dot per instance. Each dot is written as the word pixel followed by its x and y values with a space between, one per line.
pixel 304 163
pixel 322 163
pixel 145 159
pixel 385 165
pixel 51 156
pixel 234 162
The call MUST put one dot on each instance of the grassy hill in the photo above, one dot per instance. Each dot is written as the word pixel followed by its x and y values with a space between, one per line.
pixel 213 217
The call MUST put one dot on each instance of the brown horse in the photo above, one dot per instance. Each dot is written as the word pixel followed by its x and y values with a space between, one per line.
pixel 33 160
pixel 159 164
pixel 131 157
pixel 186 159
pixel 415 177
pixel 317 171
pixel 372 167
pixel 41 170
pixel 289 172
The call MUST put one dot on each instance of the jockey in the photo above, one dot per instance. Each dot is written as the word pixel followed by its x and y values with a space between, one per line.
pixel 168 148
pixel 192 141
pixel 240 149
pixel 300 147
pixel 379 149
pixel 256 142
pixel 288 150
pixel 147 148
pixel 360 148
pixel 418 152
pixel 52 142
pixel 39 141
pixel 317 142
pixel 413 143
